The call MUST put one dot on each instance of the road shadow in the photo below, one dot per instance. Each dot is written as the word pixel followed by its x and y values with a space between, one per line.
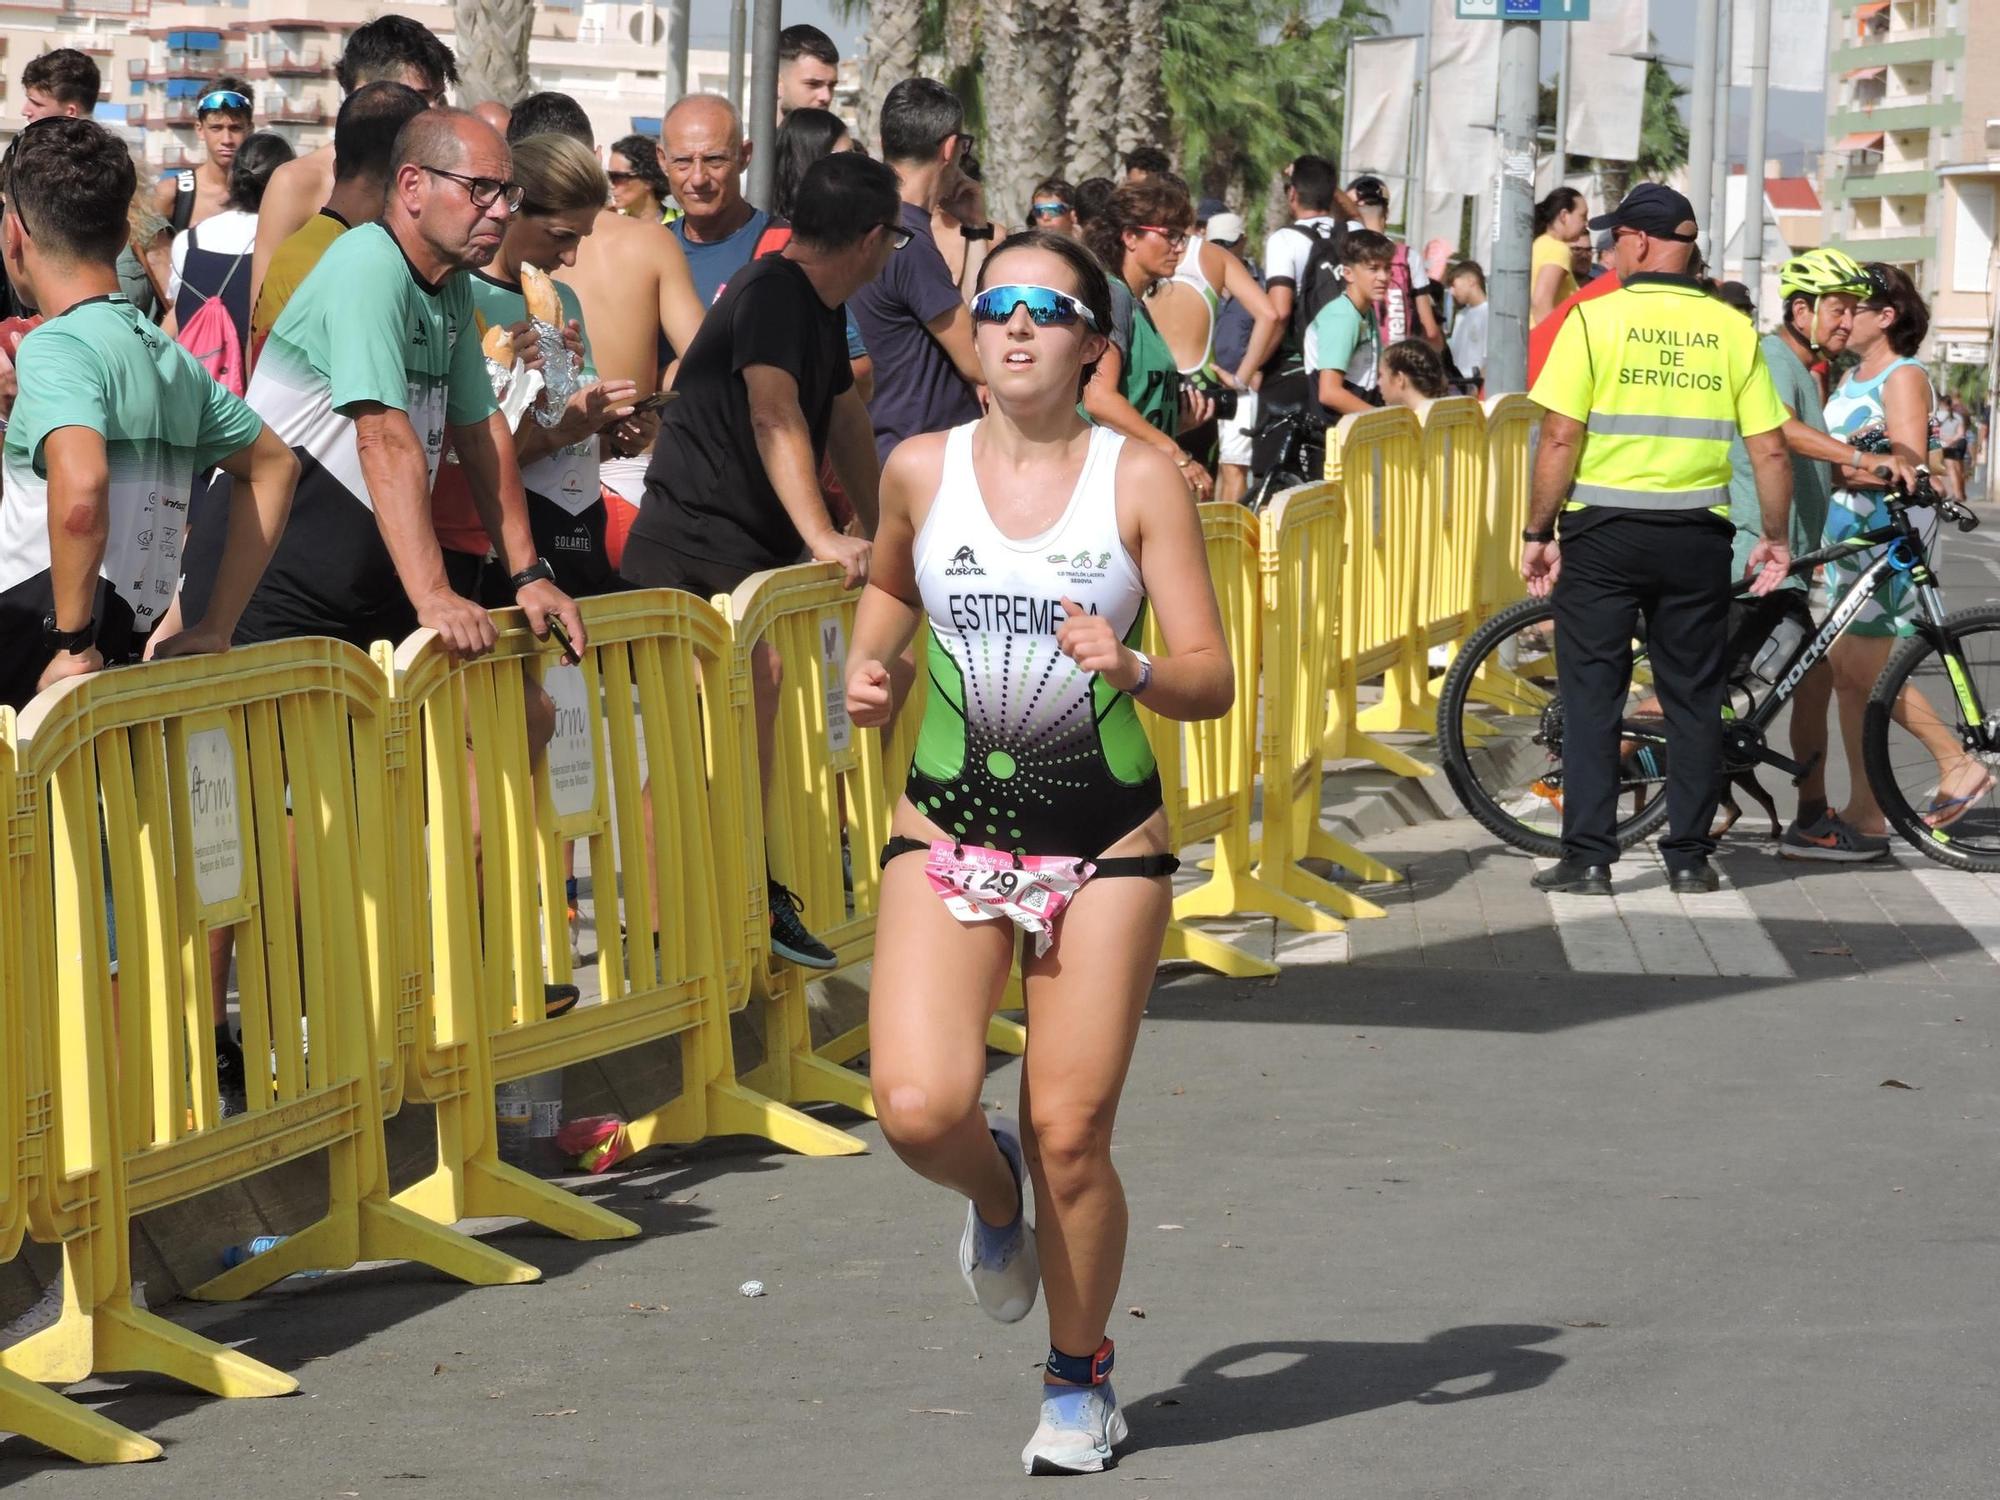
pixel 1279 1385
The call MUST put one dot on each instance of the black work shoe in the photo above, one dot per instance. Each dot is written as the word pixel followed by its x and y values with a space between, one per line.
pixel 1573 877
pixel 230 1081
pixel 1697 879
pixel 789 938
pixel 559 999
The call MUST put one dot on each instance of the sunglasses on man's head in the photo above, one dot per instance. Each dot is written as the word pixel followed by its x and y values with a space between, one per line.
pixel 1046 306
pixel 216 99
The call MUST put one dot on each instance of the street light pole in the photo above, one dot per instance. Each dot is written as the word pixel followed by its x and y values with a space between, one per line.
pixel 1701 108
pixel 1718 185
pixel 737 23
pixel 677 55
pixel 1753 186
pixel 1562 106
pixel 762 124
pixel 1514 229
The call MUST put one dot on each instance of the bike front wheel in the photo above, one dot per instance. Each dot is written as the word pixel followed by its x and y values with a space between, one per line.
pixel 1931 763
pixel 1500 732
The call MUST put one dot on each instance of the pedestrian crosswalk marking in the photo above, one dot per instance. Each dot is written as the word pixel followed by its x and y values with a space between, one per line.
pixel 1646 929
pixel 1973 901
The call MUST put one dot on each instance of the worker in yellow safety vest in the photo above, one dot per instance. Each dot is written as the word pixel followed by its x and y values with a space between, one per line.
pixel 1643 393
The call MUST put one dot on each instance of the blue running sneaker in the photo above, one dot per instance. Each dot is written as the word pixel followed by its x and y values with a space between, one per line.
pixel 1081 1426
pixel 1000 1264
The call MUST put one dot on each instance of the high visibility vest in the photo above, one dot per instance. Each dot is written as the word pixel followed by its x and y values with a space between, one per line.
pixel 1664 377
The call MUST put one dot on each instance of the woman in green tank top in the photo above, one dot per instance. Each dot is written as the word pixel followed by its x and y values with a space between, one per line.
pixel 1137 389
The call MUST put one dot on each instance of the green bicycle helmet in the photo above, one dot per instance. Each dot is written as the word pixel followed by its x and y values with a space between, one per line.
pixel 1818 272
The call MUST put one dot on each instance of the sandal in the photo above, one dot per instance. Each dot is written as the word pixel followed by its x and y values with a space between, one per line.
pixel 1944 811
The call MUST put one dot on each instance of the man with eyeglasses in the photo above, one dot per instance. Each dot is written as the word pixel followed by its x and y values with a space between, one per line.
pixel 704 153
pixel 912 317
pixel 222 121
pixel 389 49
pixel 375 358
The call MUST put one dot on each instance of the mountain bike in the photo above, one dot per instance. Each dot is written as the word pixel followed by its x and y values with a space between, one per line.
pixel 1500 715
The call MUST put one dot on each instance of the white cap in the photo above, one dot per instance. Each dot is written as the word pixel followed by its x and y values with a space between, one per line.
pixel 1224 229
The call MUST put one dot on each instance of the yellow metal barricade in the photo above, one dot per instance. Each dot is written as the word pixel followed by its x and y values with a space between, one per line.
pixel 1379 588
pixel 644 757
pixel 1454 473
pixel 244 791
pixel 1301 551
pixel 1512 423
pixel 1209 769
pixel 26 1407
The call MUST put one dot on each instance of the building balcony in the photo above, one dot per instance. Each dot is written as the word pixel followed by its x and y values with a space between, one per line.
pixel 1862 234
pixel 1933 44
pixel 286 63
pixel 198 64
pixel 292 112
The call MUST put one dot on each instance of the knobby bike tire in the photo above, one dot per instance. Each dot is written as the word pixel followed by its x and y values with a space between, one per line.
pixel 1485 808
pixel 1904 816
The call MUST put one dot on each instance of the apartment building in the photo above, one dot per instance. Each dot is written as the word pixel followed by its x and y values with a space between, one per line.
pixel 157 59
pixel 1907 99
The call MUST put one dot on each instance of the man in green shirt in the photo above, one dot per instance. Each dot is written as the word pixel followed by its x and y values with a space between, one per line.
pixel 1820 290
pixel 375 356
pixel 112 424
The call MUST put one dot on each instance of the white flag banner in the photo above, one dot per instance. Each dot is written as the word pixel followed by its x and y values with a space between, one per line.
pixel 1607 88
pixel 1622 28
pixel 1798 44
pixel 1443 219
pixel 1382 111
pixel 1464 86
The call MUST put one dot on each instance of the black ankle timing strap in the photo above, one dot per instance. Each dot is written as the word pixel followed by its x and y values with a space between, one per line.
pixel 1082 1369
pixel 1147 865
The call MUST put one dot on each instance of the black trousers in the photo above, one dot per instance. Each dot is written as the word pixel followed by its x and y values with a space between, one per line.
pixel 1674 573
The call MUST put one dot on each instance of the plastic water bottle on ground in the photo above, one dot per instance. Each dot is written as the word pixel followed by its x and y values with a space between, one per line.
pixel 235 1255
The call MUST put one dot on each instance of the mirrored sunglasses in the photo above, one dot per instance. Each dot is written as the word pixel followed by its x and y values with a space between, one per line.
pixel 1046 306
pixel 216 99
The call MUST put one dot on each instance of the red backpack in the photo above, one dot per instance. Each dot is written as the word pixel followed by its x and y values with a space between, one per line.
pixel 211 335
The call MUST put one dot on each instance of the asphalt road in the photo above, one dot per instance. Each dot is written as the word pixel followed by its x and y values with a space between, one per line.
pixel 1483 1210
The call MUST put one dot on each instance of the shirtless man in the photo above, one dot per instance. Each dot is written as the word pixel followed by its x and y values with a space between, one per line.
pixel 222 120
pixel 392 48
pixel 632 279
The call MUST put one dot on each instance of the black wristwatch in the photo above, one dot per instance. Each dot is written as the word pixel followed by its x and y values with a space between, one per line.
pixel 1538 536
pixel 72 641
pixel 984 232
pixel 533 573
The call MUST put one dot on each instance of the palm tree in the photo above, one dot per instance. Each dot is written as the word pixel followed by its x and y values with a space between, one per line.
pixel 1095 70
pixel 1142 93
pixel 1026 47
pixel 895 40
pixel 492 43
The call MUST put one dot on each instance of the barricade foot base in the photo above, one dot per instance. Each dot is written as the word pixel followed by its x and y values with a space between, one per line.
pixel 1401 711
pixel 1003 1035
pixel 127 1339
pixel 494 1190
pixel 1211 952
pixel 815 1080
pixel 64 1427
pixel 736 1110
pixel 1322 845
pixel 1349 743
pixel 849 1045
pixel 1243 895
pixel 391 1232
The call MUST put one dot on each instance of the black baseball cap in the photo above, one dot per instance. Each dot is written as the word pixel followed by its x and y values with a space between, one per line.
pixel 1655 208
pixel 1370 190
pixel 1208 208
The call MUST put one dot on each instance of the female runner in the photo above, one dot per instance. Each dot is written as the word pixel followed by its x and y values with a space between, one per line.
pixel 1030 543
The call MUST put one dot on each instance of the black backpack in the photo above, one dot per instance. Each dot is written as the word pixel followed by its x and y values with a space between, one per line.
pixel 1319 282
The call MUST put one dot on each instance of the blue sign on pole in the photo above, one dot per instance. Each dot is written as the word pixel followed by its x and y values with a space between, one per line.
pixel 1524 10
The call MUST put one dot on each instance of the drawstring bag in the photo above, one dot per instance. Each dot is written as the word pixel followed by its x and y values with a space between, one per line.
pixel 211 335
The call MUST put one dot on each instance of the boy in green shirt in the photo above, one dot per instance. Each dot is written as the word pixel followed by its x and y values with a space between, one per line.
pixel 1343 344
pixel 112 423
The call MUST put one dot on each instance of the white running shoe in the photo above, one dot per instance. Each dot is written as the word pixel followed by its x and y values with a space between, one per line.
pixel 1000 1264
pixel 1081 1426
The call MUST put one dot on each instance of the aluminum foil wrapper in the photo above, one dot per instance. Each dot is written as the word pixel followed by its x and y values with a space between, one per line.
pixel 562 374
pixel 502 377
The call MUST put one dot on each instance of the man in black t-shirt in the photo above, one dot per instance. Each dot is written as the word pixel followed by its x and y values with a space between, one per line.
pixel 766 392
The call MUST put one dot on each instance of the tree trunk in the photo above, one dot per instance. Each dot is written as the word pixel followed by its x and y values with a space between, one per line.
pixel 492 42
pixel 1025 47
pixel 895 27
pixel 1099 61
pixel 1142 95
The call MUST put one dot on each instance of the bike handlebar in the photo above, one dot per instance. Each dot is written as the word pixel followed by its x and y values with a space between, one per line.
pixel 1922 494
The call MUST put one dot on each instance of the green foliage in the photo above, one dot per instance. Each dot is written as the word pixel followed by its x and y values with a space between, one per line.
pixel 1253 83
pixel 1967 382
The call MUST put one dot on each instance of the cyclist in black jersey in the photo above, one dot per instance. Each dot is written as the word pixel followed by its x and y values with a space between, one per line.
pixel 1027 547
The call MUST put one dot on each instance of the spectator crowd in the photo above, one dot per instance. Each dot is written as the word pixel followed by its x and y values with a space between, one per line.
pixel 463 359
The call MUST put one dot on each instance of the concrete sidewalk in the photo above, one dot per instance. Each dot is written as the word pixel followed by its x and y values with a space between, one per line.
pixel 1396 1232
